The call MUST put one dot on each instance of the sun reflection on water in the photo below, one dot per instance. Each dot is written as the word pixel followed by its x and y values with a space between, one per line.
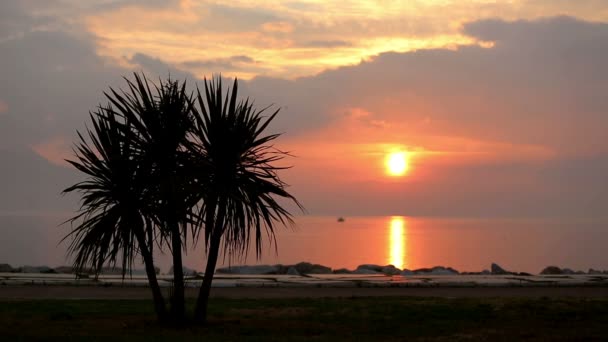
pixel 397 239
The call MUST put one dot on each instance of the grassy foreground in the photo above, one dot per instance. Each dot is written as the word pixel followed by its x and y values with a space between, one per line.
pixel 318 319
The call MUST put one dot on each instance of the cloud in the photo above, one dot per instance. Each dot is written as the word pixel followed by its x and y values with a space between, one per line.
pixel 32 184
pixel 56 150
pixel 493 124
pixel 3 107
pixel 238 62
pixel 157 67
pixel 275 33
pixel 51 79
pixel 515 129
pixel 559 31
pixel 507 93
pixel 15 20
pixel 327 43
pixel 278 26
pixel 234 18
pixel 55 79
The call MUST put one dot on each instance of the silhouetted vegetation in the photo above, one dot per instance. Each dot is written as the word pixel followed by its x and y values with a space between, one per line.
pixel 163 165
pixel 240 177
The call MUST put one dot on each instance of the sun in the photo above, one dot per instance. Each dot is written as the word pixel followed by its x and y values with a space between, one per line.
pixel 396 163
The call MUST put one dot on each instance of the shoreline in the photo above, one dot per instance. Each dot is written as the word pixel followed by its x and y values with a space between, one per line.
pixel 309 281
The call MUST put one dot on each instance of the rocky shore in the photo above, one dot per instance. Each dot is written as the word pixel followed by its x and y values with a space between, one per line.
pixel 306 268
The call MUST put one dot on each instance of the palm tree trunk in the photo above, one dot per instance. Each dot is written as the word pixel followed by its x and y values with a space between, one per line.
pixel 178 307
pixel 200 313
pixel 159 302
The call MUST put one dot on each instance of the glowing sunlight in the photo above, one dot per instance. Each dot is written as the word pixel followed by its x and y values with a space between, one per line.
pixel 396 163
pixel 397 239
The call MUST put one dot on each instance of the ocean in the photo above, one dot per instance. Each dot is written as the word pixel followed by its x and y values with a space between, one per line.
pixel 523 245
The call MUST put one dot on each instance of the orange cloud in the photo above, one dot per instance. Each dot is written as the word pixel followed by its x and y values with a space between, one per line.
pixel 292 41
pixel 55 150
pixel 353 149
pixel 279 26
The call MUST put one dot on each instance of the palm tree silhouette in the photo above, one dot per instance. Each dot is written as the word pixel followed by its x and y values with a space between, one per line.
pixel 163 165
pixel 238 179
pixel 112 223
pixel 161 123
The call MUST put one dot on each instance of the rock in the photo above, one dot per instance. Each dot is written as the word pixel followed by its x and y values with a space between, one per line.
pixel 592 271
pixel 551 270
pixel 36 269
pixel 440 270
pixel 64 269
pixel 524 274
pixel 320 269
pixel 407 272
pixel 371 267
pixel 282 269
pixel 422 271
pixel 484 272
pixel 292 271
pixel 5 268
pixel 308 268
pixel 567 271
pixel 390 270
pixel 342 271
pixel 365 271
pixel 256 269
pixel 111 270
pixel 303 267
pixel 187 271
pixel 496 269
pixel 437 270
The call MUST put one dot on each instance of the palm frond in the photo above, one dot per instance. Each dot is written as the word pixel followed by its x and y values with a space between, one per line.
pixel 238 176
pixel 103 229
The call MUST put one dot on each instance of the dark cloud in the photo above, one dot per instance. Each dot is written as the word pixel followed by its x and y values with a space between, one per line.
pixel 554 33
pixel 31 184
pixel 51 80
pixel 158 68
pixel 222 64
pixel 15 19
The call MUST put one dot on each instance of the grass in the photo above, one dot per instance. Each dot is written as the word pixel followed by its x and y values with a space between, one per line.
pixel 316 319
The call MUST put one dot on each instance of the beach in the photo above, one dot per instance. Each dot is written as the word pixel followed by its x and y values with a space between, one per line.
pixel 19 286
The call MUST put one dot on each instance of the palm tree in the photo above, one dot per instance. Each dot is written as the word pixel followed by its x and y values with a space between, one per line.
pixel 237 178
pixel 160 168
pixel 162 121
pixel 112 222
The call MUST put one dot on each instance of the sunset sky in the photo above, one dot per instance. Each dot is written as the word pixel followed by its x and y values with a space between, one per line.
pixel 495 108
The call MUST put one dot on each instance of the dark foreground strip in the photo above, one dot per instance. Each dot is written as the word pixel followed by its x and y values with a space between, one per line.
pixel 27 292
